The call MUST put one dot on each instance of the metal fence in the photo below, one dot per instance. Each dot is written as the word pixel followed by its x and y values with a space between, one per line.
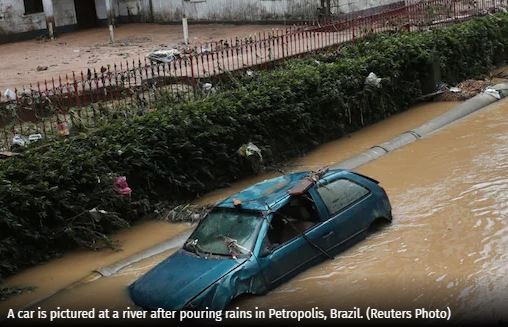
pixel 92 97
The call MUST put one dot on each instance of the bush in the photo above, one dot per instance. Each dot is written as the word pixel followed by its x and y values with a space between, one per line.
pixel 182 151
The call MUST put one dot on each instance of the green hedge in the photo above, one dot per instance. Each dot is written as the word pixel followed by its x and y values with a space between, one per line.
pixel 181 151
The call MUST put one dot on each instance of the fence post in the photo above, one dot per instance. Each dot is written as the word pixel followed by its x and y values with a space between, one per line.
pixel 193 77
pixel 76 90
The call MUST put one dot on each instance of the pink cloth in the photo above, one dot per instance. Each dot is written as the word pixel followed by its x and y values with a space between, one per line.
pixel 121 187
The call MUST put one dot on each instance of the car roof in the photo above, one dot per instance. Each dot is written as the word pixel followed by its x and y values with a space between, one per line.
pixel 269 193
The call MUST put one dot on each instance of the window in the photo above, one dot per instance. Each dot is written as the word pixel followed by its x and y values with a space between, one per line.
pixel 291 220
pixel 33 7
pixel 339 194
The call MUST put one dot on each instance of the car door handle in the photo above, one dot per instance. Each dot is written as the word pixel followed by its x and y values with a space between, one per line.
pixel 328 235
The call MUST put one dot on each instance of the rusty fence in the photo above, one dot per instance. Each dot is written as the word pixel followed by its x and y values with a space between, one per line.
pixel 84 100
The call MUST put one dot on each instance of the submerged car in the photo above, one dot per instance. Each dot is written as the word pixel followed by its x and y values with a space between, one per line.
pixel 262 236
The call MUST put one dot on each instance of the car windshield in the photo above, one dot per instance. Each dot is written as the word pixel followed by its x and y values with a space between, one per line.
pixel 225 232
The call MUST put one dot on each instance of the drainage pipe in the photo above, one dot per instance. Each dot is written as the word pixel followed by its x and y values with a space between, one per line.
pixel 489 96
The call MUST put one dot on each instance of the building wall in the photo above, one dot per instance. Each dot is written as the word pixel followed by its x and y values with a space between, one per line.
pixel 13 19
pixel 65 13
pixel 234 10
pixel 14 22
pixel 249 10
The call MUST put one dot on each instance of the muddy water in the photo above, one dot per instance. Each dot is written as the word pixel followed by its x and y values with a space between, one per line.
pixel 449 240
pixel 447 245
pixel 79 265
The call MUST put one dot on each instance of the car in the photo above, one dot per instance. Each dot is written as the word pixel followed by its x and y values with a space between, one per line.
pixel 257 239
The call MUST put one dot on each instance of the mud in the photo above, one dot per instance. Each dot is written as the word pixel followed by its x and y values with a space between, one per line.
pixel 446 246
pixel 91 49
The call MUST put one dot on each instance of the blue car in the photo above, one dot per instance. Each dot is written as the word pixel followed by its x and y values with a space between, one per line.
pixel 262 236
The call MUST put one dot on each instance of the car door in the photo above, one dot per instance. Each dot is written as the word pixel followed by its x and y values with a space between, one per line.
pixel 287 260
pixel 347 204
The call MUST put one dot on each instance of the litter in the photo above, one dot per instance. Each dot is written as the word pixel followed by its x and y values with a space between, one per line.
pixel 9 94
pixel 249 150
pixel 121 187
pixel 493 92
pixel 19 141
pixel 34 137
pixel 164 56
pixel 373 80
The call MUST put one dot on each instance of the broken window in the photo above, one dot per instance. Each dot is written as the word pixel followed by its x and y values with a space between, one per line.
pixel 299 215
pixel 33 7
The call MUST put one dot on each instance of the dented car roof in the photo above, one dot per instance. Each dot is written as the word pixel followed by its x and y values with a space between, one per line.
pixel 267 194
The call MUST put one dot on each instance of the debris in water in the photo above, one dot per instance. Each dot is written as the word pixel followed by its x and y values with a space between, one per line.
pixel 463 91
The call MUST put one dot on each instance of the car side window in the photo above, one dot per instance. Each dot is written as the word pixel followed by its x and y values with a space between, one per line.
pixel 290 221
pixel 341 193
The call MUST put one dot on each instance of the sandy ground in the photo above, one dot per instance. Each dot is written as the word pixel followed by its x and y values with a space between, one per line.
pixel 90 49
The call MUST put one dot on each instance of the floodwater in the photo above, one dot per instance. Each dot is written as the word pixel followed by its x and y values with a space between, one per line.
pixel 446 247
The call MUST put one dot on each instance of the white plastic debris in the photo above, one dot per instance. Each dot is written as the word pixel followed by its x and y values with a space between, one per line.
pixel 34 137
pixel 455 89
pixel 250 73
pixel 373 80
pixel 9 94
pixel 206 49
pixel 493 92
pixel 207 86
pixel 164 55
pixel 22 141
pixel 19 140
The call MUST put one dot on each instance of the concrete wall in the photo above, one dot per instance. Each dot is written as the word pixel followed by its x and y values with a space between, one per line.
pixel 65 13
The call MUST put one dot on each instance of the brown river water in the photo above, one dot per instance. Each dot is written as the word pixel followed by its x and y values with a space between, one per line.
pixel 447 245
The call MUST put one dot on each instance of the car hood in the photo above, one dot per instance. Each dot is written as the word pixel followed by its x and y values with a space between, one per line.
pixel 178 279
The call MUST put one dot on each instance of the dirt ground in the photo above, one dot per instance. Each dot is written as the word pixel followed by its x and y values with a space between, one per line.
pixel 91 49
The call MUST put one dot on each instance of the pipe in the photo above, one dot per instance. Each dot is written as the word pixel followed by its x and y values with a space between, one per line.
pixel 163 247
pixel 489 96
